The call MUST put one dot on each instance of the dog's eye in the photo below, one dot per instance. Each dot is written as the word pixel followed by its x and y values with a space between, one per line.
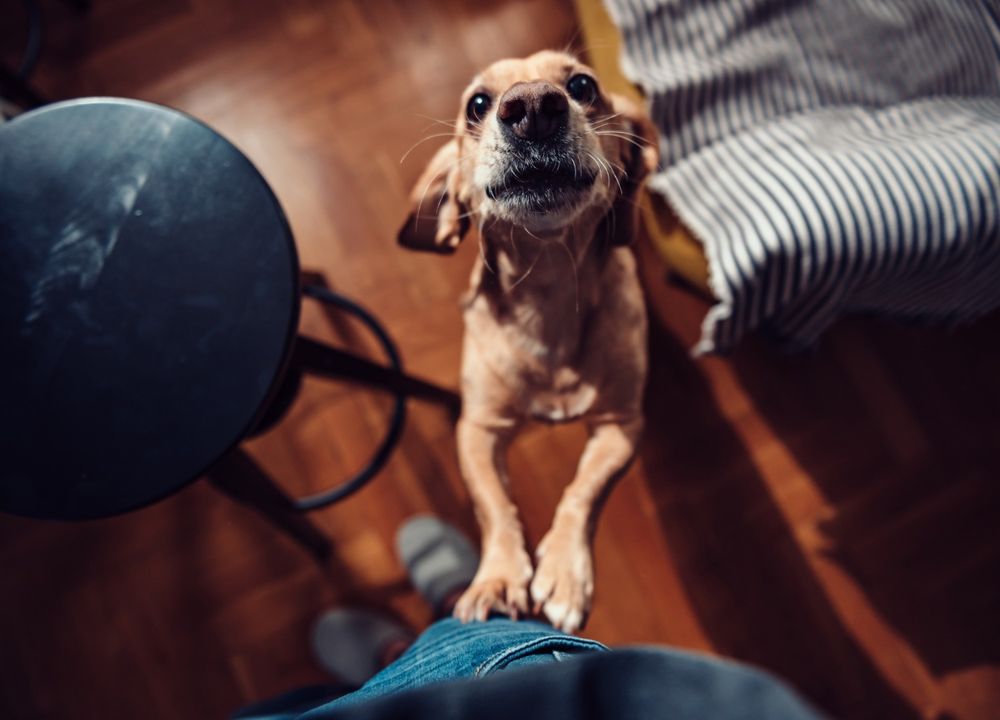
pixel 479 105
pixel 582 88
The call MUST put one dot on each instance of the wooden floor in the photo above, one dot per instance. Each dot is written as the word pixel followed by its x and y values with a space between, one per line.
pixel 833 516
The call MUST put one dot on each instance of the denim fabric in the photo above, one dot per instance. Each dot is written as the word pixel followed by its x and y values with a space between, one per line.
pixel 450 649
pixel 629 684
pixel 436 680
pixel 447 650
pixel 292 704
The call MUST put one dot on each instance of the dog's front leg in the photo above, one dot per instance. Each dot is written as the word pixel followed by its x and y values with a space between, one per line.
pixel 564 581
pixel 501 583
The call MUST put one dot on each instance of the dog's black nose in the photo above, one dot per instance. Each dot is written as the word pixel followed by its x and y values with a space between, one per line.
pixel 533 111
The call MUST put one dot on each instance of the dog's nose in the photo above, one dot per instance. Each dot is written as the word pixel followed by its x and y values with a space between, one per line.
pixel 533 111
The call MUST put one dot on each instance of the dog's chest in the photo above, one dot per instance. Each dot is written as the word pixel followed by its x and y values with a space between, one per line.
pixel 568 398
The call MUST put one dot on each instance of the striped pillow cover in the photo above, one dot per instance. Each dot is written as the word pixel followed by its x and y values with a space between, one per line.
pixel 832 155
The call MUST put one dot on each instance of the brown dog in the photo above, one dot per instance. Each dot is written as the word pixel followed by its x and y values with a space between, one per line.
pixel 555 326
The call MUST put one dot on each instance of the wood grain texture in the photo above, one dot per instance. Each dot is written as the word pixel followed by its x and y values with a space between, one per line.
pixel 830 515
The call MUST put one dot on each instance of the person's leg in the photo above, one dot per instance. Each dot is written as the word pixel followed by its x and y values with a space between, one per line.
pixel 437 558
pixel 292 704
pixel 441 562
pixel 450 649
pixel 354 644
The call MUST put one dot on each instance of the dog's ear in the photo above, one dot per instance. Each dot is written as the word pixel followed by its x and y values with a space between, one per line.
pixel 437 220
pixel 640 155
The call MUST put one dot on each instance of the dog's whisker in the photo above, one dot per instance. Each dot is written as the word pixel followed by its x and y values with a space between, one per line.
pixel 534 262
pixel 614 176
pixel 427 128
pixel 629 140
pixel 420 142
pixel 604 173
pixel 444 171
pixel 622 135
pixel 440 201
pixel 567 49
pixel 482 225
pixel 606 119
pixel 427 187
pixel 576 276
pixel 530 233
pixel 619 168
pixel 423 195
pixel 620 131
pixel 603 125
pixel 513 246
pixel 609 168
pixel 611 171
pixel 445 193
pixel 482 252
pixel 439 121
pixel 601 169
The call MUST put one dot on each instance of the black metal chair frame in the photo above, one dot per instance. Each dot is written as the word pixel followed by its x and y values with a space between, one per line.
pixel 238 476
pixel 15 85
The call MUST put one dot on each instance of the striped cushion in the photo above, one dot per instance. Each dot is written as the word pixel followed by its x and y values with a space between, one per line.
pixel 832 155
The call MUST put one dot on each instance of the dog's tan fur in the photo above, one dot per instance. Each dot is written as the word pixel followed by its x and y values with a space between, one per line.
pixel 555 330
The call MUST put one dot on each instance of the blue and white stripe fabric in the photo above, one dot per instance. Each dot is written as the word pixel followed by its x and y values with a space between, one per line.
pixel 832 155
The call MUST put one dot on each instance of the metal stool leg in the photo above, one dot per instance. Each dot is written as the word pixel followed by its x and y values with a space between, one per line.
pixel 320 359
pixel 243 480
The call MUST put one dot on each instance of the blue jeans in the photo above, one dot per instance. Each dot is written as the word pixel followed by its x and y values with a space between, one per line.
pixel 450 649
pixel 453 670
pixel 447 650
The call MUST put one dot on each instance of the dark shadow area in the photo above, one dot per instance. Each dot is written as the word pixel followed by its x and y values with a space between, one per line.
pixel 185 586
pixel 898 427
pixel 751 587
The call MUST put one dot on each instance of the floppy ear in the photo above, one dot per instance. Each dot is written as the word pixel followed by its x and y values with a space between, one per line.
pixel 437 220
pixel 638 159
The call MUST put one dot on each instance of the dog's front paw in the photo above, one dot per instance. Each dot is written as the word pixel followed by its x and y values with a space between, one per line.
pixel 564 581
pixel 500 585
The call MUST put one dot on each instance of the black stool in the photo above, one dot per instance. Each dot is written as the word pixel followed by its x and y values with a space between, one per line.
pixel 149 299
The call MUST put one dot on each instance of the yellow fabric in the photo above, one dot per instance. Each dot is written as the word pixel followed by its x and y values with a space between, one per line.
pixel 682 253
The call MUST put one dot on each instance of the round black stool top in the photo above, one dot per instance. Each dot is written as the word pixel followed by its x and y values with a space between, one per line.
pixel 148 299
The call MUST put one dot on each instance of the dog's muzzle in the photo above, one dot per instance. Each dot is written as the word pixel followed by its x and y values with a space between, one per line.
pixel 541 184
pixel 540 168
